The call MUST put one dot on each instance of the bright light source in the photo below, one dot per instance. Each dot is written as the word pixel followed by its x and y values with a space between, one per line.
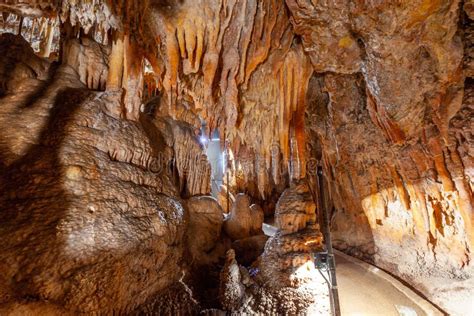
pixel 203 140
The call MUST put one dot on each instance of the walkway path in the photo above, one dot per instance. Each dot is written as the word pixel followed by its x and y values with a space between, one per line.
pixel 366 290
pixel 363 292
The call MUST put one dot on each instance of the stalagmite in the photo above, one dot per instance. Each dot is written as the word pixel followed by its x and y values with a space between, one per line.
pixel 105 178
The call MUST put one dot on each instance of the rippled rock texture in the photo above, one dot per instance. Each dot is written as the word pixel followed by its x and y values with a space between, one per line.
pixel 377 92
pixel 91 219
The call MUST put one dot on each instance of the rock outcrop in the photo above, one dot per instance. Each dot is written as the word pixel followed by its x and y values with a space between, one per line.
pixel 204 228
pixel 90 222
pixel 283 278
pixel 258 216
pixel 295 209
pixel 238 223
pixel 405 201
pixel 98 141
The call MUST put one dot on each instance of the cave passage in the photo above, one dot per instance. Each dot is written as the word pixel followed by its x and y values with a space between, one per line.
pixel 216 156
pixel 161 157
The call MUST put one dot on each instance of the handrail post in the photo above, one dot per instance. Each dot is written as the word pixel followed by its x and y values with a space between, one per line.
pixel 335 306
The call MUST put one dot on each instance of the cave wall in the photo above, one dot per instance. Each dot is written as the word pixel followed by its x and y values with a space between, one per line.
pixel 395 140
pixel 93 219
pixel 378 92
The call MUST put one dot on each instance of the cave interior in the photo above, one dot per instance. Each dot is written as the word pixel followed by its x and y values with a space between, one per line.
pixel 162 157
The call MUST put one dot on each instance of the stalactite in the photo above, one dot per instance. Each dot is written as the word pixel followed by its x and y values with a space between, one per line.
pixel 20 25
pixel 402 193
pixel 114 79
pixel 132 80
pixel 47 41
pixel 389 122
pixel 32 32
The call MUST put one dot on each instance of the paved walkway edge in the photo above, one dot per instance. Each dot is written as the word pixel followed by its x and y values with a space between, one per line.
pixel 425 305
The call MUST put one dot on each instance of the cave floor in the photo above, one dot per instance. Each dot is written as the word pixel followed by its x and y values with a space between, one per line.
pixel 362 292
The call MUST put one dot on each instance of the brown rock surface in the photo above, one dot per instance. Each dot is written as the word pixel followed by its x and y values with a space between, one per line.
pixel 247 250
pixel 285 254
pixel 238 223
pixel 225 201
pixel 283 280
pixel 295 209
pixel 257 219
pixel 392 200
pixel 89 59
pixel 71 231
pixel 85 207
pixel 377 92
pixel 204 227
pixel 20 67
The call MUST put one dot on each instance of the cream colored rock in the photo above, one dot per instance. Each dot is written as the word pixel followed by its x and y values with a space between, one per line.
pixel 238 224
pixel 282 279
pixel 257 219
pixel 295 209
pixel 231 290
pixel 285 254
pixel 205 221
pixel 225 201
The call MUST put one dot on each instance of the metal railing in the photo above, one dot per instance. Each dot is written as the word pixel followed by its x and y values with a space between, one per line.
pixel 325 260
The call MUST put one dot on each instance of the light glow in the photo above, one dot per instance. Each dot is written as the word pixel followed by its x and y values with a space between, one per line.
pixel 203 140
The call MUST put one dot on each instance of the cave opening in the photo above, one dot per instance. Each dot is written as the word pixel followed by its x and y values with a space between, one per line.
pixel 162 157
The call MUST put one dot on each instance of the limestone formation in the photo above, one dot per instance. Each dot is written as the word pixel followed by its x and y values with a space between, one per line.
pixel 88 216
pixel 284 276
pixel 286 255
pixel 105 109
pixel 89 59
pixel 97 211
pixel 295 209
pixel 225 200
pixel 204 227
pixel 247 250
pixel 238 223
pixel 257 215
pixel 285 279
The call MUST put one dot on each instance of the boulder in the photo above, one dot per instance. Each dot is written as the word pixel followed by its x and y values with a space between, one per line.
pixel 204 226
pixel 257 219
pixel 295 209
pixel 238 224
pixel 87 225
pixel 247 250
